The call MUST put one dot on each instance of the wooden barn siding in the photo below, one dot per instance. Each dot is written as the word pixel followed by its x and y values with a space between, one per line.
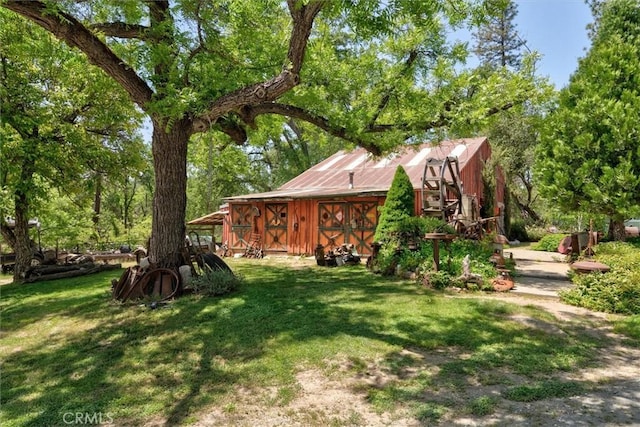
pixel 471 175
pixel 302 239
pixel 302 212
pixel 226 230
pixel 417 210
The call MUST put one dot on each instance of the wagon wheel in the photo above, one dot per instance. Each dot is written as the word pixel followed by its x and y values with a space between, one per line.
pixel 460 227
pixel 160 284
pixel 209 262
pixel 129 284
pixel 198 265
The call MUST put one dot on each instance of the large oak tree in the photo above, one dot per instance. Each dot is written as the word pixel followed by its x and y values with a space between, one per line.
pixel 374 73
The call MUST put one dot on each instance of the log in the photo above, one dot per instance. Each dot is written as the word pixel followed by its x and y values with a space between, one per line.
pixel 74 273
pixel 51 269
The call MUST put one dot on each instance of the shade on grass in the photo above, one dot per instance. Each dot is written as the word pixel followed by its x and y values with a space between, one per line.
pixel 66 347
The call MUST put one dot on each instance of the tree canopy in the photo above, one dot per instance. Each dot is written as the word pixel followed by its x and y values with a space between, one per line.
pixel 589 156
pixel 57 130
pixel 376 74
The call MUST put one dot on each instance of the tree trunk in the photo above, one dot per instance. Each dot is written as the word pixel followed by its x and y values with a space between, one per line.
pixel 128 201
pixel 526 211
pixel 23 247
pixel 169 145
pixel 616 230
pixel 97 201
pixel 7 235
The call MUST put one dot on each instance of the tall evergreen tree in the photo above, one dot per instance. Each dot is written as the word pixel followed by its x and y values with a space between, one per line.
pixel 498 43
pixel 513 135
pixel 398 205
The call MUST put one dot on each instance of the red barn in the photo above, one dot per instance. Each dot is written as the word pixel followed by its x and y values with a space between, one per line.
pixel 337 200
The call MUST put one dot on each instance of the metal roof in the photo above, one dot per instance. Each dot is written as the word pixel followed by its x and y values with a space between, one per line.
pixel 370 174
pixel 215 218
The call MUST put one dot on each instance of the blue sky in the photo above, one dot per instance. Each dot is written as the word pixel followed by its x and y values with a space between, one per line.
pixel 557 30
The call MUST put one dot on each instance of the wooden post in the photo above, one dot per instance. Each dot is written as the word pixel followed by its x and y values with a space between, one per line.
pixel 436 238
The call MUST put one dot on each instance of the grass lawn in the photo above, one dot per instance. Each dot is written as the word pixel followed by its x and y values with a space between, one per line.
pixel 67 348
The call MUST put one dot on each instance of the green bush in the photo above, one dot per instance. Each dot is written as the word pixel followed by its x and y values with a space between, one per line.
pixel 388 258
pixel 518 231
pixel 215 282
pixel 418 226
pixel 606 292
pixel 617 291
pixel 535 233
pixel 629 326
pixel 451 267
pixel 398 205
pixel 395 254
pixel 549 243
pixel 437 279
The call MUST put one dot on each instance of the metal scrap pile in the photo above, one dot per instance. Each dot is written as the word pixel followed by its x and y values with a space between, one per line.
pixel 345 254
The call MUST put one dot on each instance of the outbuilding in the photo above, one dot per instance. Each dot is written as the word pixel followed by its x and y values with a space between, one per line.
pixel 337 201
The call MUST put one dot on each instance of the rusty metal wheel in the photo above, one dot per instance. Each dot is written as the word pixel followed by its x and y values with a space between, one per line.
pixel 161 284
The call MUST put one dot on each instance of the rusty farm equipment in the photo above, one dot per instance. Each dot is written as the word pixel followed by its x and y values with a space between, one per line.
pixel 443 197
pixel 146 281
pixel 442 189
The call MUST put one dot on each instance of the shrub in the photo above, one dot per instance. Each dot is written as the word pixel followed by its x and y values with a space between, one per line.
pixel 398 205
pixel 629 326
pixel 518 231
pixel 535 233
pixel 617 291
pixel 479 253
pixel 395 254
pixel 606 292
pixel 387 259
pixel 414 228
pixel 549 243
pixel 215 282
pixel 437 279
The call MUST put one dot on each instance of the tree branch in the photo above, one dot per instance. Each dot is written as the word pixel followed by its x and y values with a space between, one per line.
pixel 270 90
pixel 250 113
pixel 121 30
pixel 68 29
pixel 413 56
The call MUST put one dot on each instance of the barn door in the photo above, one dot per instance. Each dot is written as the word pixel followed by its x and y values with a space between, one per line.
pixel 331 232
pixel 241 225
pixel 276 227
pixel 363 219
pixel 348 222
